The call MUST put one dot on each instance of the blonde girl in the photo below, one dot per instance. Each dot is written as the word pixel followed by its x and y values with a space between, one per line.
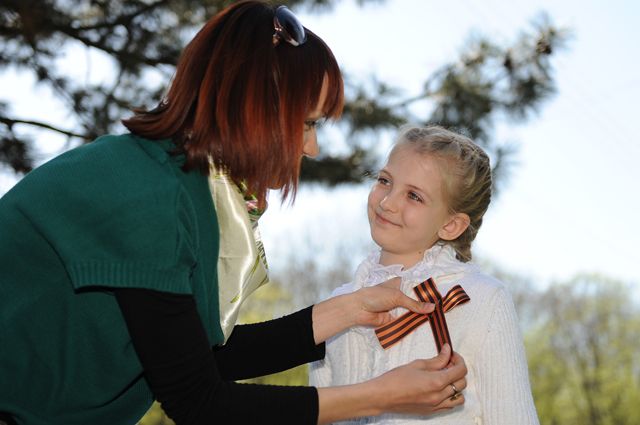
pixel 424 211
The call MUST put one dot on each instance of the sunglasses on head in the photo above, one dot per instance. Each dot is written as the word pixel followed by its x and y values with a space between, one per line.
pixel 287 27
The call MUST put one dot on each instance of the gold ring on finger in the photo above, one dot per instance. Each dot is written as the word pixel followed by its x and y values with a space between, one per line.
pixel 455 394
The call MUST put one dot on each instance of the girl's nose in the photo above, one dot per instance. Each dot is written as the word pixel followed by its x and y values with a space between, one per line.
pixel 389 202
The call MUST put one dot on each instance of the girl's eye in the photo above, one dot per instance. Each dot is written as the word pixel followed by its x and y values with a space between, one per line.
pixel 383 180
pixel 414 196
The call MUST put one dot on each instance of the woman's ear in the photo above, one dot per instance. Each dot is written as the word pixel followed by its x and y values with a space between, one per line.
pixel 453 228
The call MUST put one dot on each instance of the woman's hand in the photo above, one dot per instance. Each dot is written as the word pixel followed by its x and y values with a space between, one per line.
pixel 421 387
pixel 364 307
pixel 374 303
pixel 425 386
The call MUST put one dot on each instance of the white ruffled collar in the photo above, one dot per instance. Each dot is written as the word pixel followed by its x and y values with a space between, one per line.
pixel 438 261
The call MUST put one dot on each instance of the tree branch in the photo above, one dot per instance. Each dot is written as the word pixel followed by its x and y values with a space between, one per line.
pixel 122 19
pixel 118 54
pixel 10 122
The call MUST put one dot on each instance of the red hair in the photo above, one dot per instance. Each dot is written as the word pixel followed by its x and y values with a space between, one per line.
pixel 241 100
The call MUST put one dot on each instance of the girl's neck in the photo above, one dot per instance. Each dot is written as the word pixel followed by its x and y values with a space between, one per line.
pixel 406 260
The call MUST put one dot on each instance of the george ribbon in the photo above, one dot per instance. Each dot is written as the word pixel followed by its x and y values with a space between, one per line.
pixel 393 332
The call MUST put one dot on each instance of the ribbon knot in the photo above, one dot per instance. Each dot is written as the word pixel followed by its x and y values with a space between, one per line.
pixel 393 332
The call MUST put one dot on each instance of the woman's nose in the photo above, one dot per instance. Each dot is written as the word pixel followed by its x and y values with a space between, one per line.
pixel 310 146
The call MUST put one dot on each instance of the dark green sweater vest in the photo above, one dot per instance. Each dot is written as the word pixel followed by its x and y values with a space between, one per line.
pixel 118 212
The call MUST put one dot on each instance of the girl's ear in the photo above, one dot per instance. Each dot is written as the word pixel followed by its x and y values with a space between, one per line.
pixel 453 228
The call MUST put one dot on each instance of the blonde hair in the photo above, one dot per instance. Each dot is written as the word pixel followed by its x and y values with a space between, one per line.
pixel 466 172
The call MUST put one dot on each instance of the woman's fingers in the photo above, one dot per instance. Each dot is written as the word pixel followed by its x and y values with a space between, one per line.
pixel 393 283
pixel 384 297
pixel 375 302
pixel 426 385
pixel 460 384
pixel 404 301
pixel 445 360
pixel 450 395
pixel 456 369
pixel 447 373
pixel 440 361
pixel 450 403
pixel 454 390
pixel 414 305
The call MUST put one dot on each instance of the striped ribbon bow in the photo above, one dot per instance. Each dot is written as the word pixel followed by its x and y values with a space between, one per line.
pixel 393 332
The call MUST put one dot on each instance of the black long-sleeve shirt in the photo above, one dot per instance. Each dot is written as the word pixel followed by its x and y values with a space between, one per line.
pixel 194 382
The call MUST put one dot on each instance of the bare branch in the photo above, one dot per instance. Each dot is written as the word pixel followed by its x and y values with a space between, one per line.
pixel 123 19
pixel 10 122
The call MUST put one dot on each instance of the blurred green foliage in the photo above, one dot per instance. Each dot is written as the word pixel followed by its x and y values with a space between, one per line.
pixel 583 353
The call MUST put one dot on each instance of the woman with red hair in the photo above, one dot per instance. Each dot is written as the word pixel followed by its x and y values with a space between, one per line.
pixel 123 263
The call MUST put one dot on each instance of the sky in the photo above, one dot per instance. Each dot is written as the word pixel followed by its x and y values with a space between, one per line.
pixel 572 202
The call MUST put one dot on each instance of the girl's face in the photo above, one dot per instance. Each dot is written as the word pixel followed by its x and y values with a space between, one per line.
pixel 406 207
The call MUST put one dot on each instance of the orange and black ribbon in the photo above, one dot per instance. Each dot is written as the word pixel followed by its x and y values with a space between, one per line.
pixel 393 332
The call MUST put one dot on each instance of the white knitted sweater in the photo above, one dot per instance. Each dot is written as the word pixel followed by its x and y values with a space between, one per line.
pixel 484 331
